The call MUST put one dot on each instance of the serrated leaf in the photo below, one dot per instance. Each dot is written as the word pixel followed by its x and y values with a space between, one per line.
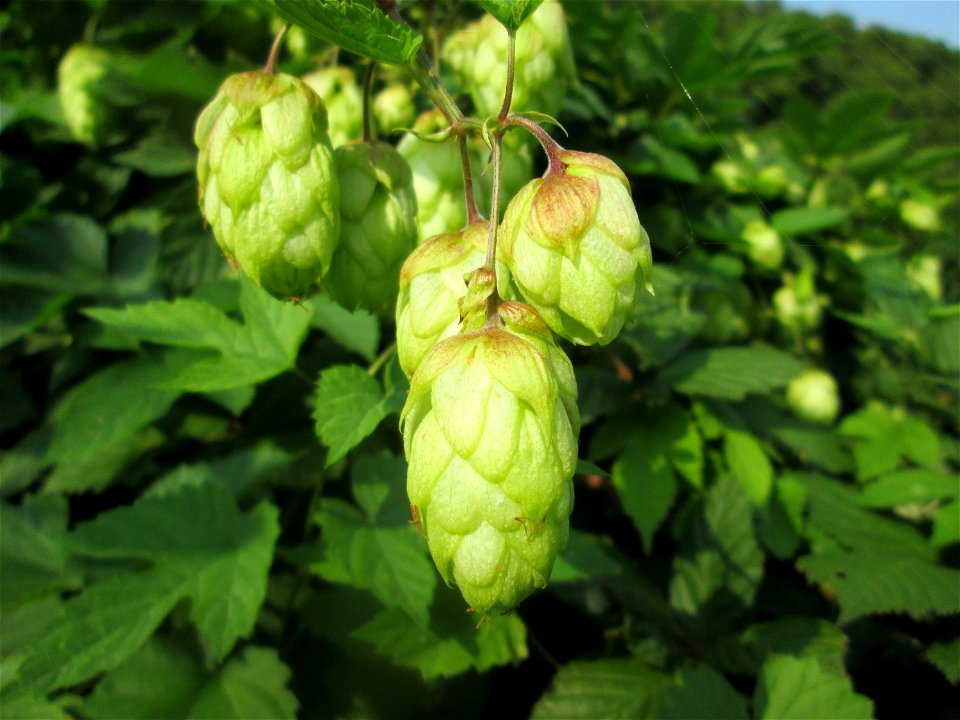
pixel 584 558
pixel 946 526
pixel 882 582
pixel 608 688
pixel 806 221
pixel 379 483
pixel 886 435
pixel 703 693
pixel 168 678
pixel 355 330
pixel 799 688
pixel 749 464
pixel 731 373
pixel 946 656
pixel 32 551
pixel 390 561
pixel 909 486
pixel 510 13
pixel 647 487
pixel 450 644
pixel 349 406
pixel 263 346
pixel 796 636
pixel 358 26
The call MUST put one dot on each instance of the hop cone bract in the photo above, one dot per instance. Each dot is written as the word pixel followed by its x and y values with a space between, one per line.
pixel 490 433
pixel 378 225
pixel 576 249
pixel 544 61
pixel 268 186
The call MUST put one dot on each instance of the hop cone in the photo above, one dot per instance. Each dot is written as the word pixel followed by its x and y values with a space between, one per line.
pixel 813 396
pixel 490 433
pixel 341 95
pixel 80 75
pixel 268 185
pixel 438 175
pixel 433 283
pixel 393 107
pixel 544 61
pixel 378 225
pixel 576 249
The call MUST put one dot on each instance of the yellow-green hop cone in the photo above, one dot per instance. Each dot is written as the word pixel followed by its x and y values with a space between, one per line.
pixel 343 98
pixel 82 72
pixel 576 249
pixel 378 225
pixel 268 185
pixel 813 396
pixel 544 61
pixel 490 434
pixel 393 108
pixel 433 282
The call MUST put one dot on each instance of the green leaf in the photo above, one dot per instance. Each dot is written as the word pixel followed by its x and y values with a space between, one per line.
pixel 32 551
pixel 646 485
pixel 946 526
pixel 584 558
pixel 110 408
pixel 883 436
pixel 731 373
pixel 511 13
pixel 450 644
pixel 168 678
pixel 608 688
pixel 799 688
pixel 93 473
pixel 159 155
pixel 355 330
pixel 357 26
pixel 703 693
pixel 798 636
pixel 349 406
pixel 806 221
pixel 389 561
pixel 946 656
pixel 909 486
pixel 749 464
pixel 265 345
pixel 883 582
pixel 648 156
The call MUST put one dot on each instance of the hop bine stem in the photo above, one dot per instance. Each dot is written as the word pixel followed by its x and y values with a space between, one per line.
pixel 271 67
pixel 367 89
pixel 550 146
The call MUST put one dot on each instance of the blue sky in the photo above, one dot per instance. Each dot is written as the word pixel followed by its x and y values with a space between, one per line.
pixel 936 19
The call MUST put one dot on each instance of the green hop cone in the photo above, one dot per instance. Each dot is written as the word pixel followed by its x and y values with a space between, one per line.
pixel 343 98
pixel 80 77
pixel 432 286
pixel 378 225
pixel 544 61
pixel 490 432
pixel 813 396
pixel 576 249
pixel 268 185
pixel 393 108
pixel 796 304
pixel 763 244
pixel 438 174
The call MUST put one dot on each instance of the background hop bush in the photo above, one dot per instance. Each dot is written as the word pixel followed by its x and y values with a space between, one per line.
pixel 544 61
pixel 438 175
pixel 576 249
pixel 490 433
pixel 343 99
pixel 268 185
pixel 378 225
pixel 81 76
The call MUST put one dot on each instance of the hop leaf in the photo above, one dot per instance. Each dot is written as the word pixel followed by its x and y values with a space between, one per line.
pixel 490 433
pixel 576 248
pixel 268 186
pixel 378 211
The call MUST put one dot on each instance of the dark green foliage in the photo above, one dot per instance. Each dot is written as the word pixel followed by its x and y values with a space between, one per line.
pixel 203 509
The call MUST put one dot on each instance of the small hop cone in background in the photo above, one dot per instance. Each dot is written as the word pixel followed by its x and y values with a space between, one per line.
pixel 490 433
pixel 82 72
pixel 343 99
pixel 764 245
pixel 393 108
pixel 378 225
pixel 576 249
pixel 268 185
pixel 544 61
pixel 813 395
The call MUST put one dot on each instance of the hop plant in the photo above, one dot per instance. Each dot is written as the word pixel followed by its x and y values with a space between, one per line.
pixel 544 61
pixel 438 175
pixel 268 185
pixel 343 99
pixel 813 396
pixel 378 226
pixel 432 286
pixel 576 249
pixel 393 107
pixel 80 79
pixel 490 433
